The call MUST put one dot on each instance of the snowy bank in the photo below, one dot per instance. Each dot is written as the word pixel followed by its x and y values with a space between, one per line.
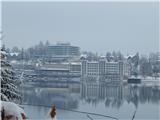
pixel 11 111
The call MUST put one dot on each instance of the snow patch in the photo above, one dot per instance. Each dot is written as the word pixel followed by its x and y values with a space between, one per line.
pixel 12 109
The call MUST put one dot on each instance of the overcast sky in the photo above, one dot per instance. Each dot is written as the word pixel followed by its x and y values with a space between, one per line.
pixel 93 26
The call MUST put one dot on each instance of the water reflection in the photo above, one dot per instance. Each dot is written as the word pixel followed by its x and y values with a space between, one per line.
pixel 61 97
pixel 115 94
pixel 100 92
pixel 111 95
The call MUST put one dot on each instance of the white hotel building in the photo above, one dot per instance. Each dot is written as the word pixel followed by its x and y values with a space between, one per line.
pixel 110 70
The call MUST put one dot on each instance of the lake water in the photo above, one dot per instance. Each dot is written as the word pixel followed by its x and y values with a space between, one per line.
pixel 116 100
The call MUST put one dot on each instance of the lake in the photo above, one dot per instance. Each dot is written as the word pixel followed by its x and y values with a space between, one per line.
pixel 118 100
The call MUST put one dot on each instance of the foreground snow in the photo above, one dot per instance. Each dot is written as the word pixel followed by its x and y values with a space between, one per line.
pixel 12 111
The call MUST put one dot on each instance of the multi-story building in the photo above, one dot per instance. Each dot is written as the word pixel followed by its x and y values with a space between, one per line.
pixel 109 70
pixel 92 68
pixel 126 70
pixel 102 67
pixel 84 68
pixel 75 67
pixel 113 70
pixel 62 51
pixel 60 69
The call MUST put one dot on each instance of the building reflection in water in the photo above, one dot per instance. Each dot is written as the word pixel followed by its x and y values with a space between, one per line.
pixel 115 94
pixel 94 92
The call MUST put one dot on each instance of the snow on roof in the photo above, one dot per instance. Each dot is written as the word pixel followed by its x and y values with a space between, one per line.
pixel 112 62
pixel 92 61
pixel 14 53
pixel 102 56
pixel 75 63
pixel 83 55
pixel 53 69
pixel 127 56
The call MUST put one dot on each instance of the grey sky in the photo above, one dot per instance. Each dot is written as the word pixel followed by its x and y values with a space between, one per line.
pixel 93 26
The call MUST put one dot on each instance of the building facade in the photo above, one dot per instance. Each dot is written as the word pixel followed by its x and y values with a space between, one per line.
pixel 60 69
pixel 92 68
pixel 126 70
pixel 113 71
pixel 109 70
pixel 62 51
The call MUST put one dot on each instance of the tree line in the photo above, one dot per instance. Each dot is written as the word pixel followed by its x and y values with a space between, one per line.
pixel 140 64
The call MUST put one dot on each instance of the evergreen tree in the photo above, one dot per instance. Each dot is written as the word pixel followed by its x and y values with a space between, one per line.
pixel 108 56
pixel 9 83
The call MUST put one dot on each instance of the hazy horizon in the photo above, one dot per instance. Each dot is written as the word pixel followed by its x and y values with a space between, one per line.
pixel 128 27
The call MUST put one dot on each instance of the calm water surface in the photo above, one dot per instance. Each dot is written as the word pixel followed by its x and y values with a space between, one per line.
pixel 117 100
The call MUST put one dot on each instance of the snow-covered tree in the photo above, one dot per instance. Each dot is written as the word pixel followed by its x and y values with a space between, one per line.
pixel 9 83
